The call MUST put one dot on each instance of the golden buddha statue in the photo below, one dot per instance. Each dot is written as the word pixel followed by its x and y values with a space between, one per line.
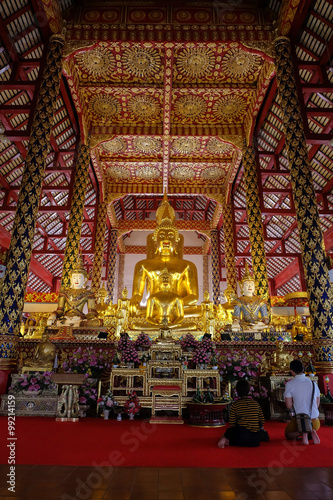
pixel 170 281
pixel 250 311
pixel 208 314
pixel 43 358
pixel 122 313
pixel 72 302
pixel 299 331
pixel 281 359
pixel 228 305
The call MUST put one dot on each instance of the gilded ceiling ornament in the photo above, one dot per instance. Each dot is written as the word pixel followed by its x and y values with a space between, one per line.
pixel 190 107
pixel 118 172
pixel 183 173
pixel 117 145
pixel 141 61
pixel 105 106
pixel 195 62
pixel 144 107
pixel 147 173
pixel 240 64
pixel 147 144
pixel 98 62
pixel 216 146
pixel 186 145
pixel 230 108
pixel 212 173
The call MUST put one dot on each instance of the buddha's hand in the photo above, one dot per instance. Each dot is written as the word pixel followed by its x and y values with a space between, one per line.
pixel 235 325
pixel 51 319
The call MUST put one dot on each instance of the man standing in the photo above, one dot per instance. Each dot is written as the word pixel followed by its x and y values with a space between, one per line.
pixel 298 394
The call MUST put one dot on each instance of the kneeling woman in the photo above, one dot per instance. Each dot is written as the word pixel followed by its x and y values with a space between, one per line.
pixel 245 419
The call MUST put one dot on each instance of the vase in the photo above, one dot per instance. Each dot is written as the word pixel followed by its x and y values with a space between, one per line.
pixel 202 366
pixel 106 414
pixel 32 393
pixel 131 416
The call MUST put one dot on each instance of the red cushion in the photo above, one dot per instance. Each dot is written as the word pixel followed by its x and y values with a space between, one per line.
pixel 166 388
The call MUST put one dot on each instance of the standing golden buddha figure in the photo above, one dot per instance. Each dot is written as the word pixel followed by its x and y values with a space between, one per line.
pixel 170 281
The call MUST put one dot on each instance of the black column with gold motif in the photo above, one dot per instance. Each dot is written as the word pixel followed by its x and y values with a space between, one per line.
pixel 99 247
pixel 21 243
pixel 308 221
pixel 254 222
pixel 229 244
pixel 112 264
pixel 215 265
pixel 76 214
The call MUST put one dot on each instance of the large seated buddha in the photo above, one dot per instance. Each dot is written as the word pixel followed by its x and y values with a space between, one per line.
pixel 171 283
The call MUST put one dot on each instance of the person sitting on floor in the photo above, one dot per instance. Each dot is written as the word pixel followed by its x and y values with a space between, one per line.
pixel 298 393
pixel 245 419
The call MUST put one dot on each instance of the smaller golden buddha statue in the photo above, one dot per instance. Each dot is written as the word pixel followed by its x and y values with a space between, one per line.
pixel 72 302
pixel 101 305
pixel 43 358
pixel 299 331
pixel 208 314
pixel 281 359
pixel 122 313
pixel 230 296
pixel 250 310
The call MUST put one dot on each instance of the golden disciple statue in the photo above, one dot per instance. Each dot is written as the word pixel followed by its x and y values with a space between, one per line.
pixel 250 311
pixel 73 302
pixel 170 281
pixel 43 357
pixel 281 359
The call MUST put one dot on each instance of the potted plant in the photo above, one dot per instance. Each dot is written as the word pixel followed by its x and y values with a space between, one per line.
pixel 130 356
pixel 107 403
pixel 201 358
pixel 132 406
pixel 188 342
pixel 143 342
pixel 213 361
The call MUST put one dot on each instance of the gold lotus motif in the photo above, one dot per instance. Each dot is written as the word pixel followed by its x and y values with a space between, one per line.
pixel 186 145
pixel 214 145
pixel 117 145
pixel 144 107
pixel 230 108
pixel 183 173
pixel 105 106
pixel 239 64
pixel 98 62
pixel 147 144
pixel 147 173
pixel 190 107
pixel 212 173
pixel 118 172
pixel 195 62
pixel 141 61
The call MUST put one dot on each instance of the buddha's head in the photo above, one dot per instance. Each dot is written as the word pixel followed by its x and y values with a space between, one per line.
pixel 248 284
pixel 166 240
pixel 79 275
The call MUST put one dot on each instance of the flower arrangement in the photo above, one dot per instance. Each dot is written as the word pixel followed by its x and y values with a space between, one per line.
pixel 129 354
pixel 87 394
pixel 200 356
pixel 87 360
pixel 254 393
pixel 207 344
pixel 188 341
pixel 142 340
pixel 238 365
pixel 132 405
pixel 33 382
pixel 107 401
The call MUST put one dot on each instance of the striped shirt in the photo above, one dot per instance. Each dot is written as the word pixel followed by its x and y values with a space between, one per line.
pixel 247 413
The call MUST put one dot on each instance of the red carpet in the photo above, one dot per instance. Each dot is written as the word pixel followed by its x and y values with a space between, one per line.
pixel 108 442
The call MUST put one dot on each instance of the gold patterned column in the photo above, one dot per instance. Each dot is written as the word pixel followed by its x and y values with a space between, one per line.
pixel 99 247
pixel 112 264
pixel 121 273
pixel 205 272
pixel 254 222
pixel 308 221
pixel 76 214
pixel 20 249
pixel 229 245
pixel 215 265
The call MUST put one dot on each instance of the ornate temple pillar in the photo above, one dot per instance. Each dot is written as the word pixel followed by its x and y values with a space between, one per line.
pixel 215 265
pixel 308 221
pixel 76 213
pixel 205 274
pixel 99 247
pixel 121 269
pixel 254 222
pixel 20 249
pixel 112 265
pixel 229 245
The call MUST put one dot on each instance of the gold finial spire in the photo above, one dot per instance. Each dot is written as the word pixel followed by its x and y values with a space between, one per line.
pixel 165 212
pixel 247 276
pixel 79 266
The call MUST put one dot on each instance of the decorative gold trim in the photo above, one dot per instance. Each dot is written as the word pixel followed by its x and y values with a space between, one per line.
pixel 8 363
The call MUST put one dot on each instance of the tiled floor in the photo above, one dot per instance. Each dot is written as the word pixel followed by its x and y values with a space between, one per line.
pixel 133 483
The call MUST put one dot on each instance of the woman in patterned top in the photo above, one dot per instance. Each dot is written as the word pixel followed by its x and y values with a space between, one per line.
pixel 245 419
